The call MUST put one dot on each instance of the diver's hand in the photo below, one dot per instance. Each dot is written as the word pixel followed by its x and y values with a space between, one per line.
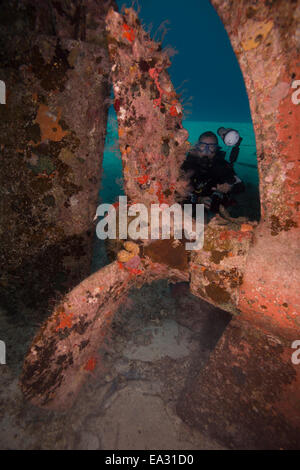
pixel 223 188
pixel 206 201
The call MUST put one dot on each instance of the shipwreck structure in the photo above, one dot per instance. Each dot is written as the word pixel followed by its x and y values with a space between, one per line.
pixel 53 125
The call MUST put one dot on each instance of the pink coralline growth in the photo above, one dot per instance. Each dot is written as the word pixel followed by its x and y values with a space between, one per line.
pixel 132 266
pixel 154 73
pixel 160 195
pixel 175 109
pixel 152 140
pixel 133 263
pixel 121 265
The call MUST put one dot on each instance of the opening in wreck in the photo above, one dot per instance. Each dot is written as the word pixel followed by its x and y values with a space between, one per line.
pixel 205 65
pixel 174 301
pixel 209 102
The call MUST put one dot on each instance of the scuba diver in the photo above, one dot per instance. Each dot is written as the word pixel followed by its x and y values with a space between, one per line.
pixel 212 178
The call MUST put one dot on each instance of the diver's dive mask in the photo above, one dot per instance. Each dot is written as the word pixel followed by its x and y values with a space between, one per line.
pixel 205 147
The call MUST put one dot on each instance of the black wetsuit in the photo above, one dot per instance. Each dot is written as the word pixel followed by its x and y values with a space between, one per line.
pixel 207 174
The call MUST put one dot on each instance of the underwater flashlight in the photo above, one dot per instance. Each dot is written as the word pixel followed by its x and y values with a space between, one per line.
pixel 230 137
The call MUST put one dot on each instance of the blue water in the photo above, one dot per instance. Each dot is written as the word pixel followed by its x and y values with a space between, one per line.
pixel 205 67
pixel 112 176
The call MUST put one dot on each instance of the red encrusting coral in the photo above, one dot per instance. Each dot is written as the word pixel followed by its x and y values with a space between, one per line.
pixel 143 179
pixel 174 111
pixel 65 321
pixel 128 33
pixel 91 364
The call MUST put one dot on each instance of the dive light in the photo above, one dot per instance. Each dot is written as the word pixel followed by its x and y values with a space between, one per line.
pixel 230 137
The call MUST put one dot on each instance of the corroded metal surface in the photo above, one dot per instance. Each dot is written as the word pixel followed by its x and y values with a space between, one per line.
pixel 248 394
pixel 217 271
pixel 62 353
pixel 52 132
